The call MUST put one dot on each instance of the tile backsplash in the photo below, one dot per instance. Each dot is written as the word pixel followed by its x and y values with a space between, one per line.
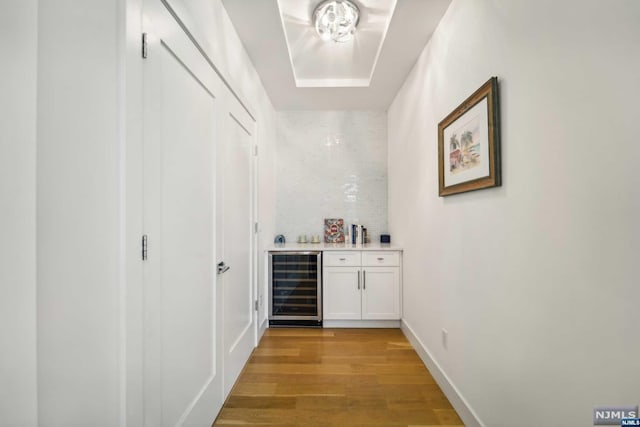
pixel 331 164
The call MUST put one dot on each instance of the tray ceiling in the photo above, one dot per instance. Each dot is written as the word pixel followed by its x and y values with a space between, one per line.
pixel 317 63
pixel 300 71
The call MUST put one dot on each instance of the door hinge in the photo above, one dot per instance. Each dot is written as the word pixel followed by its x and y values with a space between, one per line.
pixel 144 247
pixel 255 305
pixel 144 45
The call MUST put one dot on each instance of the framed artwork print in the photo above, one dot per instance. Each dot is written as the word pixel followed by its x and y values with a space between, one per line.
pixel 333 230
pixel 469 143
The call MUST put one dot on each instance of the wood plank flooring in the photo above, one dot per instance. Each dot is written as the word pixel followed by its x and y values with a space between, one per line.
pixel 336 377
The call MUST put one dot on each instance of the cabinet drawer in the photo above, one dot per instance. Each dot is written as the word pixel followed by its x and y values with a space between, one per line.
pixel 372 259
pixel 337 259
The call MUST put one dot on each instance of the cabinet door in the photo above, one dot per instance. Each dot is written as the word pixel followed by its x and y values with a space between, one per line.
pixel 341 293
pixel 381 293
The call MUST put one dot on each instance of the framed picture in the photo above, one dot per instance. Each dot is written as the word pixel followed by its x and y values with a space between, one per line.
pixel 333 230
pixel 469 143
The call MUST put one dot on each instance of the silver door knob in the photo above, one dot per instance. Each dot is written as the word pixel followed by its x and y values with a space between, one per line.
pixel 222 267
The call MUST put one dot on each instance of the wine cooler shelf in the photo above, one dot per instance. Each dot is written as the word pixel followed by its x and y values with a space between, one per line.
pixel 295 288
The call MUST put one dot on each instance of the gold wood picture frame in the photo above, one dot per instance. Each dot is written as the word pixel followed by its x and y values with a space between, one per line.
pixel 469 143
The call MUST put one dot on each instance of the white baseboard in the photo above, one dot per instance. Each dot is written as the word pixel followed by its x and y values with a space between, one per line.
pixel 459 403
pixel 261 328
pixel 360 323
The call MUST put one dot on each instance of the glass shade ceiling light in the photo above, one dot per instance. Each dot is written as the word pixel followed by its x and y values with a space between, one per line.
pixel 336 20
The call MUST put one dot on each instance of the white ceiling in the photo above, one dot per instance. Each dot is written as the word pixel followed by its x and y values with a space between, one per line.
pixel 317 63
pixel 370 69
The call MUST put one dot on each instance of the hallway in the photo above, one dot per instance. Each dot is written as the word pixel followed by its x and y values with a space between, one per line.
pixel 153 152
pixel 336 377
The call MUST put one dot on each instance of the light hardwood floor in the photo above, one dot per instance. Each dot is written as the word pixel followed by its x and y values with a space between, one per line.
pixel 336 377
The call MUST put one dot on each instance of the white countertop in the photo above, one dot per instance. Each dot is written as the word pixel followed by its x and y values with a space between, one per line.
pixel 332 247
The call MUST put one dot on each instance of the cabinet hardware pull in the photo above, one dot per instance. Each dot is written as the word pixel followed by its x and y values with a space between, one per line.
pixel 358 280
pixel 380 259
pixel 342 259
pixel 364 280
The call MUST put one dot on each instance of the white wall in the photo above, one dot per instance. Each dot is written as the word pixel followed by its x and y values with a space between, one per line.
pixel 266 198
pixel 535 281
pixel 66 112
pixel 78 218
pixel 331 164
pixel 18 40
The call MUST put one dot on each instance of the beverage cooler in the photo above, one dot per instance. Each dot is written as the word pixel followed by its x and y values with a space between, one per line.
pixel 295 283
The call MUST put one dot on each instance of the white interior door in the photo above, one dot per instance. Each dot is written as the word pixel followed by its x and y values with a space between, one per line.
pixel 182 378
pixel 235 251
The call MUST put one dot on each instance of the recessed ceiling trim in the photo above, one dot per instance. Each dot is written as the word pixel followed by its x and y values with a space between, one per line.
pixel 333 82
pixel 319 63
pixel 260 27
pixel 286 38
pixel 384 37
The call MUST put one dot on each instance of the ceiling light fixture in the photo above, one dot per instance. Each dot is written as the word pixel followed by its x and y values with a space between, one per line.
pixel 336 20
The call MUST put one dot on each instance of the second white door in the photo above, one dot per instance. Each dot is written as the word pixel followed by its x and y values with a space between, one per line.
pixel 235 246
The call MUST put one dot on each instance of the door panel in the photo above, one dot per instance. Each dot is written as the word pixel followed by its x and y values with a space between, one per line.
pixel 182 384
pixel 236 220
pixel 341 293
pixel 381 293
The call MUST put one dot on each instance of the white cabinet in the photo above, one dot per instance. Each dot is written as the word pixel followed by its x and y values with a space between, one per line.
pixel 341 293
pixel 361 285
pixel 380 293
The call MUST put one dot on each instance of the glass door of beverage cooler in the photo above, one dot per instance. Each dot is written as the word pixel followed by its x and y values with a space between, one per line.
pixel 295 284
